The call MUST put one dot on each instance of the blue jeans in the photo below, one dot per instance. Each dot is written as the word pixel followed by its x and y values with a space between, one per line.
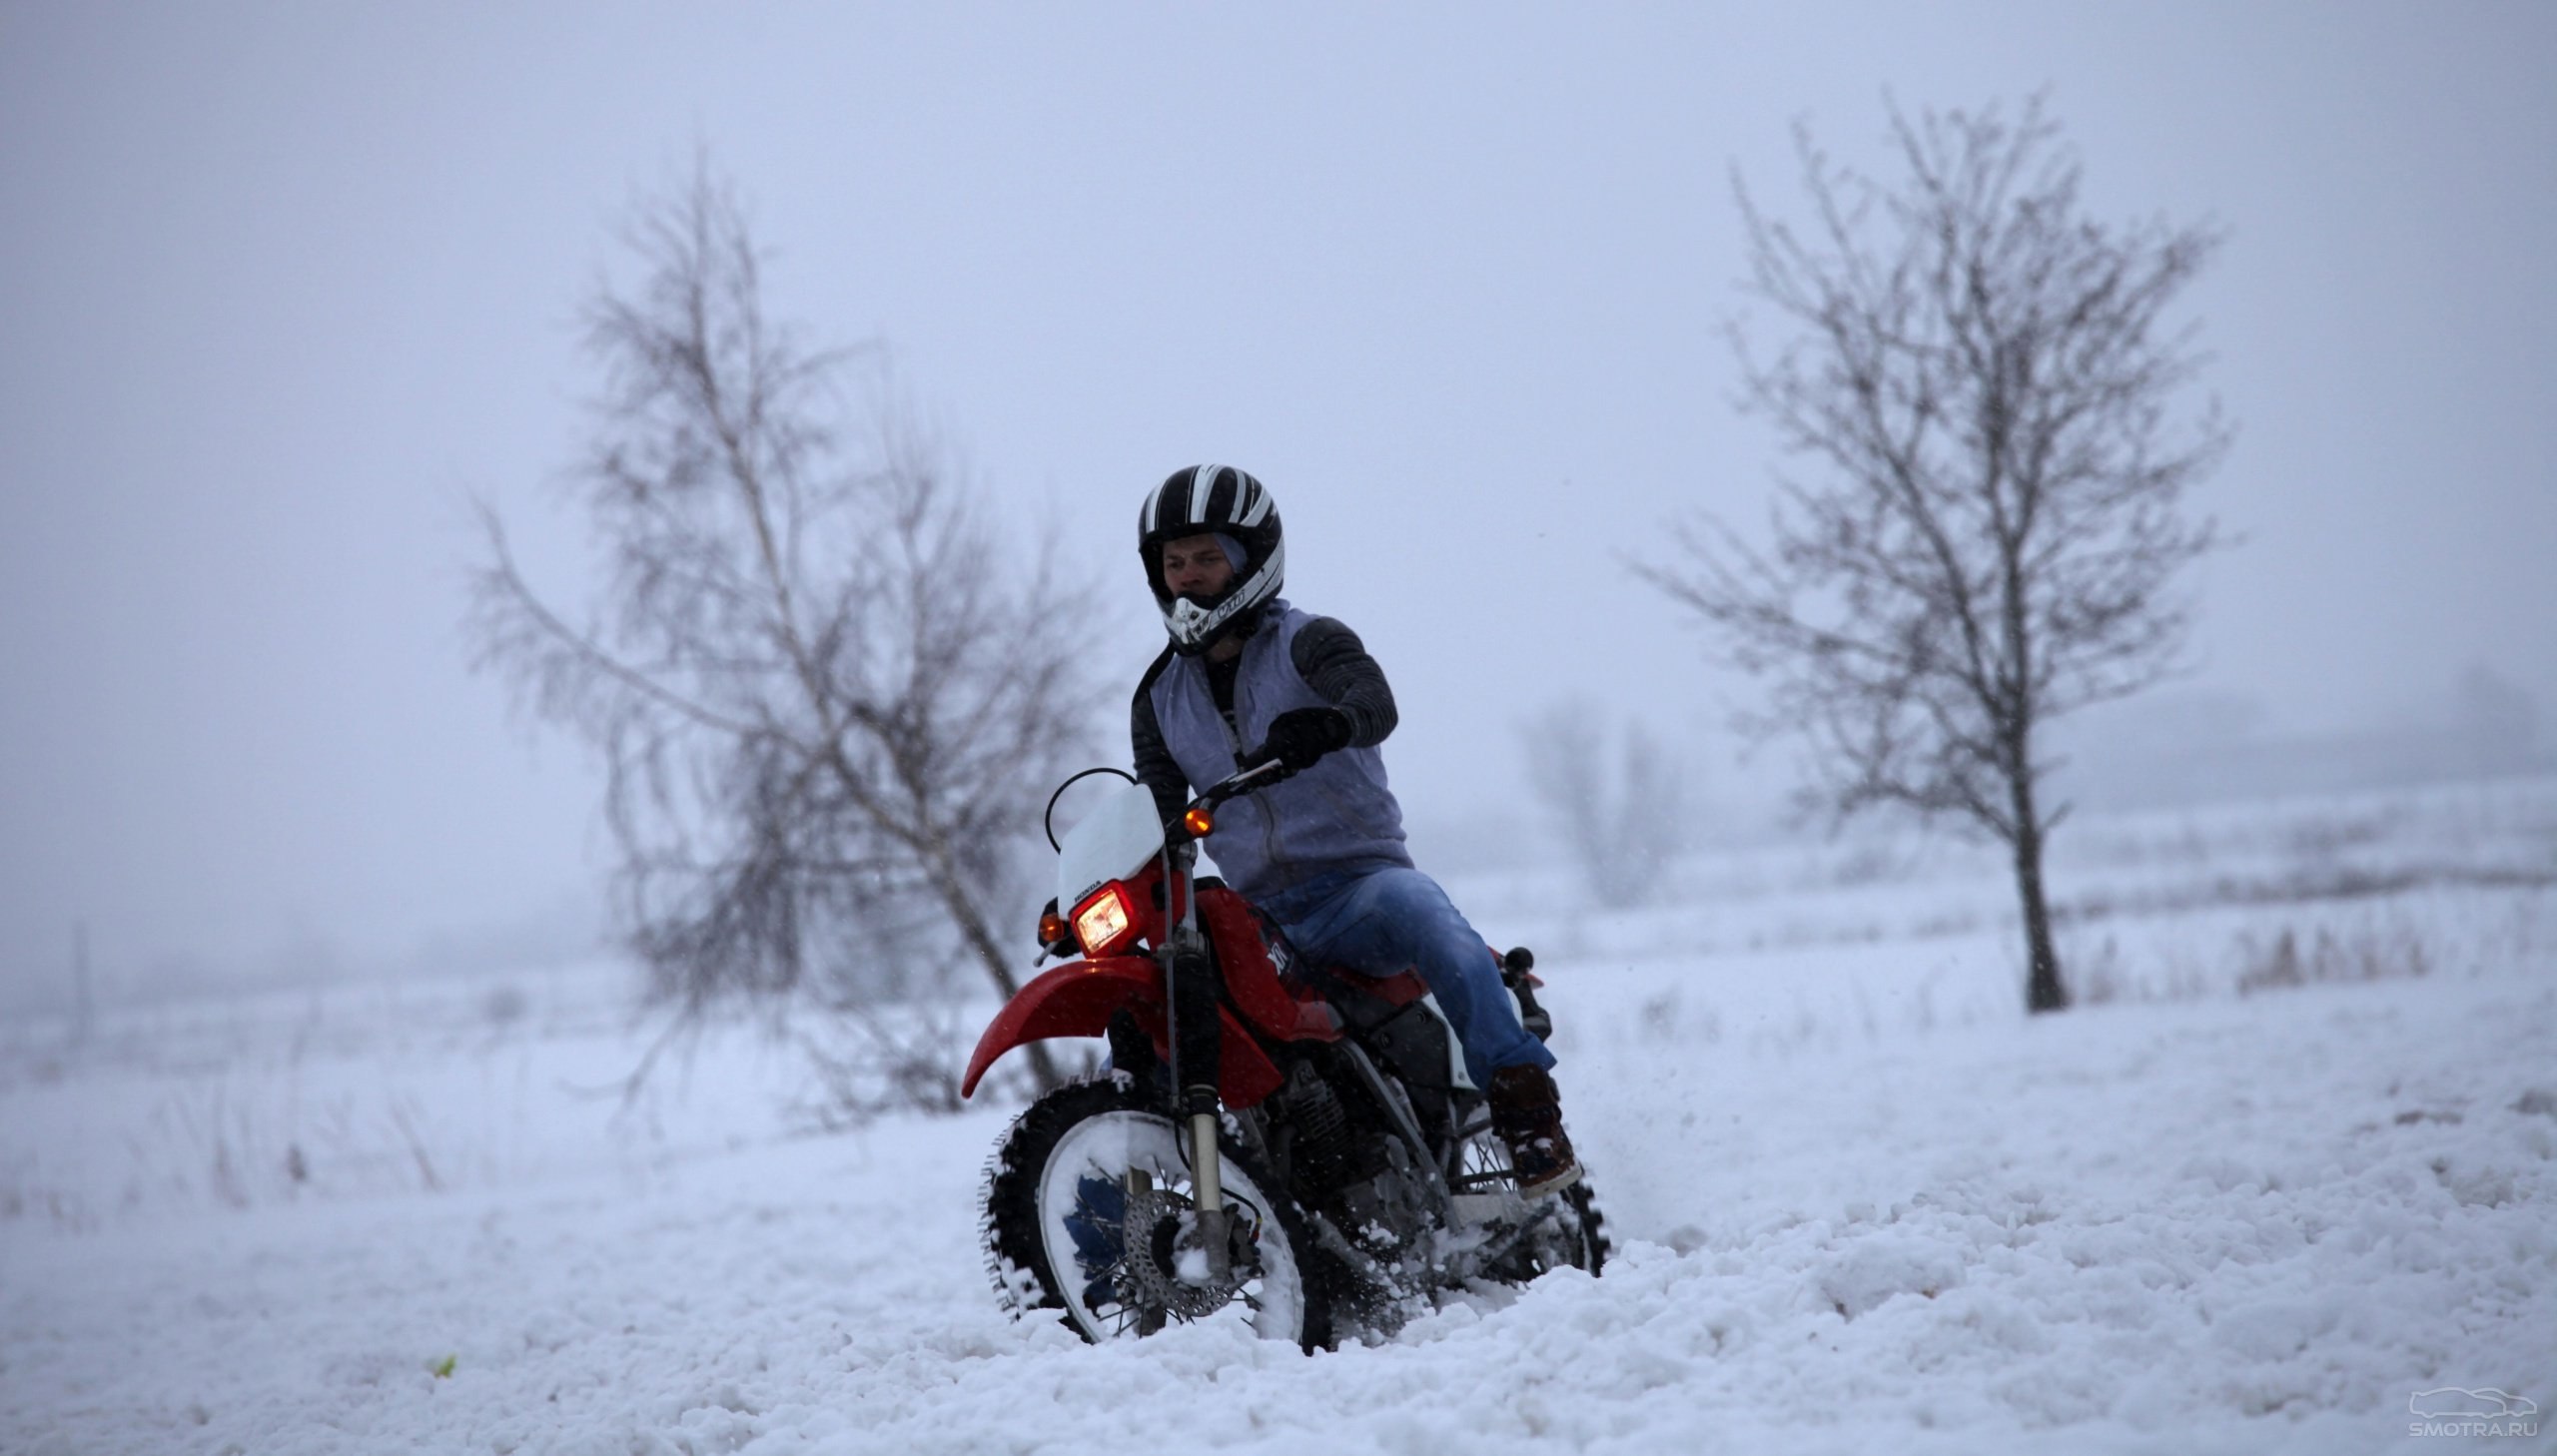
pixel 1379 922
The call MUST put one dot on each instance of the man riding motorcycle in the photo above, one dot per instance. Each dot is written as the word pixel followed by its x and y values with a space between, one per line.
pixel 1247 678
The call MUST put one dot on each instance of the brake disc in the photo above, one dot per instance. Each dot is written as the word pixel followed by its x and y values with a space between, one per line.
pixel 1149 1275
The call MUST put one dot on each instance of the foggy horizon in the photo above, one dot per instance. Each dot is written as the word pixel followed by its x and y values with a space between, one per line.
pixel 288 289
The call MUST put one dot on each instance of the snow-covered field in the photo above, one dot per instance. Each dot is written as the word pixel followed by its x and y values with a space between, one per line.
pixel 2292 1162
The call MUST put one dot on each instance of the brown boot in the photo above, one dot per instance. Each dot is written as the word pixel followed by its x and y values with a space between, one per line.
pixel 1527 1113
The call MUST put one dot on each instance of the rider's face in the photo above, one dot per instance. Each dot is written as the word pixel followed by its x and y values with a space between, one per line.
pixel 1195 567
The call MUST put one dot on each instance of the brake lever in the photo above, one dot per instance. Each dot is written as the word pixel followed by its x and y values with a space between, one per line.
pixel 1260 775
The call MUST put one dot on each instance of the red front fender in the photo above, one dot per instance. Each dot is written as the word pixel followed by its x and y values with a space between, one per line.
pixel 1077 998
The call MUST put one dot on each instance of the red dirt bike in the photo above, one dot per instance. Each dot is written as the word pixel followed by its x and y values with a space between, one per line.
pixel 1290 1145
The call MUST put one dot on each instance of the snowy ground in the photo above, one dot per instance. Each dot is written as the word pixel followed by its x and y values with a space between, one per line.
pixel 2253 1199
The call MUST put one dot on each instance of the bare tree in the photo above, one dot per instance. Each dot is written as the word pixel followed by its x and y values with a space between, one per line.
pixel 1624 835
pixel 1982 377
pixel 829 696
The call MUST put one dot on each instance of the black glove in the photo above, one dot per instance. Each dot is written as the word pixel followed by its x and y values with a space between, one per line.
pixel 1300 736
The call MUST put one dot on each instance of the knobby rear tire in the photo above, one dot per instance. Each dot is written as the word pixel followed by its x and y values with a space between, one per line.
pixel 1567 1231
pixel 1583 1229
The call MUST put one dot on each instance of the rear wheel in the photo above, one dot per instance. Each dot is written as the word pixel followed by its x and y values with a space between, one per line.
pixel 1568 1232
pixel 1564 1231
pixel 1089 1205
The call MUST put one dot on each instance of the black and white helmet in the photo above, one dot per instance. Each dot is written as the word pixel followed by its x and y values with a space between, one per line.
pixel 1226 501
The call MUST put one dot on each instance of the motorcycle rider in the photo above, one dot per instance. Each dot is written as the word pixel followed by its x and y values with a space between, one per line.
pixel 1247 678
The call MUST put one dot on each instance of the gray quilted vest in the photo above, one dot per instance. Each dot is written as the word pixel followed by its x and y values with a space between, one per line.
pixel 1337 815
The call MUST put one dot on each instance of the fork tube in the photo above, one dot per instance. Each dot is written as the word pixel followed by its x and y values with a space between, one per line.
pixel 1203 1158
pixel 1196 1034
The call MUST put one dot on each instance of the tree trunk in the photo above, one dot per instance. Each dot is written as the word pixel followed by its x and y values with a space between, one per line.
pixel 2042 990
pixel 981 942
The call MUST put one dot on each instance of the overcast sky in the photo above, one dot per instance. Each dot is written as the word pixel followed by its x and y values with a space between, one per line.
pixel 282 286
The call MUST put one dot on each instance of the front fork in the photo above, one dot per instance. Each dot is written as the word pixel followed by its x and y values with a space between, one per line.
pixel 1197 1029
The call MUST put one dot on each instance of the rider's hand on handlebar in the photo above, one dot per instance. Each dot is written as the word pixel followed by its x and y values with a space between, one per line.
pixel 1300 736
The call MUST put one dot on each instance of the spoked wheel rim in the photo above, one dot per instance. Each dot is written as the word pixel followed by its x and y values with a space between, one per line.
pixel 1118 1288
pixel 1562 1232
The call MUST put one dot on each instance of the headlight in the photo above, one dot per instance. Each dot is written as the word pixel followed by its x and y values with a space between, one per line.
pixel 1103 922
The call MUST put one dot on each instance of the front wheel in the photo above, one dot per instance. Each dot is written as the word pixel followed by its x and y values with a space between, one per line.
pixel 1089 1205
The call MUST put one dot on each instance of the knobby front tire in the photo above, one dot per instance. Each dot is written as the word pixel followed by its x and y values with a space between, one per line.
pixel 1063 1234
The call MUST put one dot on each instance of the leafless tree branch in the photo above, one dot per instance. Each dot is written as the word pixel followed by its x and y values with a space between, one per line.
pixel 827 690
pixel 1982 381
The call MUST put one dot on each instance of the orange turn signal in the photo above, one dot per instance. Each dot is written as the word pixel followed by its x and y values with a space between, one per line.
pixel 1198 821
pixel 1052 928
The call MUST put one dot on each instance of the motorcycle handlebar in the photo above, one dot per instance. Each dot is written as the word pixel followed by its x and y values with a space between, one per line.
pixel 1252 780
pixel 1259 776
